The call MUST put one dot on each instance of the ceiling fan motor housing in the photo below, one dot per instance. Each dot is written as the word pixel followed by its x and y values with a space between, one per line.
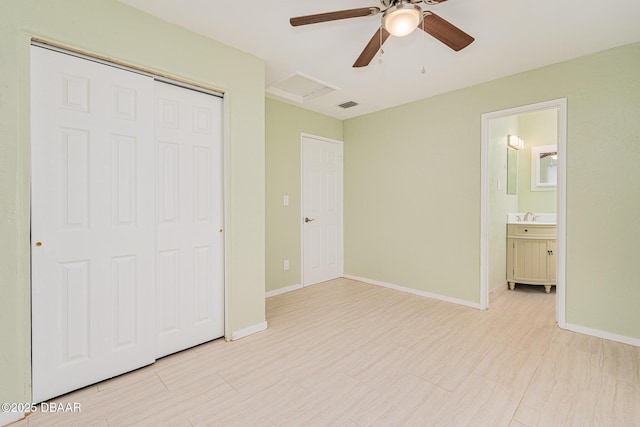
pixel 389 3
pixel 402 18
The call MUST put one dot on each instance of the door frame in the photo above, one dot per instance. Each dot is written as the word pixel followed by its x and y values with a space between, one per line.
pixel 561 200
pixel 304 135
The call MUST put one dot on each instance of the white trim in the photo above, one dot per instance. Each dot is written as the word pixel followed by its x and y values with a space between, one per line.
pixel 304 135
pixel 284 290
pixel 414 291
pixel 7 418
pixel 561 215
pixel 320 138
pixel 249 331
pixel 561 207
pixel 484 214
pixel 122 66
pixel 226 205
pixel 603 334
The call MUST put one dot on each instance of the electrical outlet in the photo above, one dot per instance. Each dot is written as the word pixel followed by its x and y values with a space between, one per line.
pixel 286 264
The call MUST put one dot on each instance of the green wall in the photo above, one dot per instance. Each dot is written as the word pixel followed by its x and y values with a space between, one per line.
pixel 284 124
pixel 412 187
pixel 111 29
pixel 499 202
pixel 412 195
pixel 536 128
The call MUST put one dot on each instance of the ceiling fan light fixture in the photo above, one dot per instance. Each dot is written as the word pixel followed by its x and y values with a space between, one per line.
pixel 402 19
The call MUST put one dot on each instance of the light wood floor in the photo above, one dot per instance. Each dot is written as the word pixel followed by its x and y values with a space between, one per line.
pixel 345 353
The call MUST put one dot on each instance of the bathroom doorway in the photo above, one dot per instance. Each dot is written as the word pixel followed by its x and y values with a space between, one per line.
pixel 505 189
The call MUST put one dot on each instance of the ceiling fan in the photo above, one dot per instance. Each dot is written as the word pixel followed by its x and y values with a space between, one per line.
pixel 400 18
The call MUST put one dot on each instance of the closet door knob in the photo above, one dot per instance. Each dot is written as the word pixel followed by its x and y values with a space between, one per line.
pixel 309 219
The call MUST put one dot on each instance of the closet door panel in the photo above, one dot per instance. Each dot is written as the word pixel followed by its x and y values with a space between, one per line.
pixel 93 222
pixel 189 261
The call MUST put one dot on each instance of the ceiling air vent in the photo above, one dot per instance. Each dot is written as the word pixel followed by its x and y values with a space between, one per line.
pixel 348 104
pixel 300 88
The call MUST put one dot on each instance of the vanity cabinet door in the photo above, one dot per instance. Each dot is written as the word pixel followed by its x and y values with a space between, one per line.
pixel 530 261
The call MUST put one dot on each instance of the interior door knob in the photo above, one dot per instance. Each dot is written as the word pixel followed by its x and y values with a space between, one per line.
pixel 309 219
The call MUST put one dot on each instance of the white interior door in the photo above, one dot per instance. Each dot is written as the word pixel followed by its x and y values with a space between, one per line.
pixel 322 210
pixel 93 225
pixel 189 259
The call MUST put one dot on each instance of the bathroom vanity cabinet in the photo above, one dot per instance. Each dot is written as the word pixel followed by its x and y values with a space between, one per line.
pixel 531 255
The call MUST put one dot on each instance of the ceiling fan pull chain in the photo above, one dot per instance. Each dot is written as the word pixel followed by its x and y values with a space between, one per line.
pixel 381 49
pixel 423 53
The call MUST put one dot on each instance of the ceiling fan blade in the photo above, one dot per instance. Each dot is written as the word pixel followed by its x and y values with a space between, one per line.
pixel 445 31
pixel 334 16
pixel 372 48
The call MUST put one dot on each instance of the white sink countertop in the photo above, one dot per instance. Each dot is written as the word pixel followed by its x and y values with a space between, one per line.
pixel 537 218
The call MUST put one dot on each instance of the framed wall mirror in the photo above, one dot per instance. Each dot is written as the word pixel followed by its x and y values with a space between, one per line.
pixel 544 167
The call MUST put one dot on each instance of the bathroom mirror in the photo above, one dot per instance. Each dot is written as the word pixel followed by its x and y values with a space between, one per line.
pixel 512 170
pixel 544 167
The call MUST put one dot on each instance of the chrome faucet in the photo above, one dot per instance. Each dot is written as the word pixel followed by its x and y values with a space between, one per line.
pixel 526 216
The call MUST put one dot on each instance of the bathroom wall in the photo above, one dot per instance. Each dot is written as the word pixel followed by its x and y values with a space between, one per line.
pixel 500 203
pixel 535 128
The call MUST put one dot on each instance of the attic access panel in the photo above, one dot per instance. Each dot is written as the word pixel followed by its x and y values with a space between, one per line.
pixel 300 88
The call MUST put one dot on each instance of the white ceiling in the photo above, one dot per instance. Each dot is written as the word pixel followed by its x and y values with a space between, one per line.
pixel 511 36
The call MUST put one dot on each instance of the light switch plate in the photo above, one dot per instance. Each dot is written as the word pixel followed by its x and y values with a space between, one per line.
pixel 285 200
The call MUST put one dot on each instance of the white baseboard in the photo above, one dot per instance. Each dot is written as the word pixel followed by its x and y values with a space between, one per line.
pixel 279 291
pixel 415 291
pixel 10 417
pixel 603 334
pixel 248 331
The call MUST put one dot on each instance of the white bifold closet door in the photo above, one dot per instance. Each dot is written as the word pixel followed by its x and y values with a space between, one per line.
pixel 189 260
pixel 127 253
